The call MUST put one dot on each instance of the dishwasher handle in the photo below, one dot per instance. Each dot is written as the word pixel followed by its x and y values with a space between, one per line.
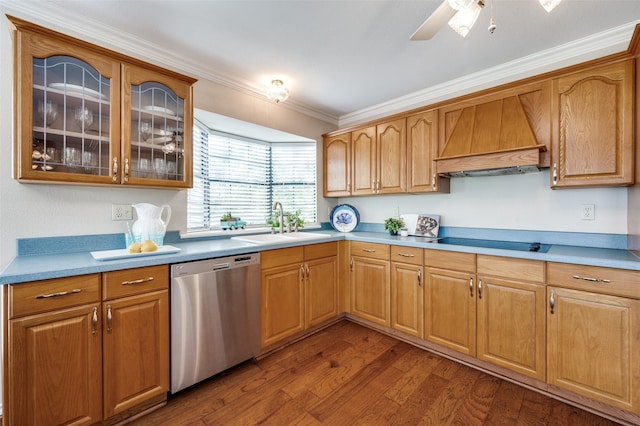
pixel 220 266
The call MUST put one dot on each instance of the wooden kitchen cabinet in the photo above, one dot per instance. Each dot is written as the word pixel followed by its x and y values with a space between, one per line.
pixel 511 319
pixel 379 156
pixel 299 290
pixel 337 165
pixel 53 352
pixel 450 300
pixel 70 97
pixel 88 348
pixel 593 338
pixel 407 290
pixel 593 130
pixel 370 282
pixel 422 149
pixel 135 322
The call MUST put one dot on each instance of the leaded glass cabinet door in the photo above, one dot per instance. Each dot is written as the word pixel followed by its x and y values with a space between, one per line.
pixel 68 115
pixel 157 129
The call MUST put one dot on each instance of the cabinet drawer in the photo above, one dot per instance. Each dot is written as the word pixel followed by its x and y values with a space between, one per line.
pixel 370 250
pixel 411 255
pixel 318 251
pixel 281 257
pixel 456 261
pixel 517 269
pixel 616 282
pixel 135 281
pixel 50 295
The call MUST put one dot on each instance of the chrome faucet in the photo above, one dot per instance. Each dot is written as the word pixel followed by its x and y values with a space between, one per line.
pixel 277 206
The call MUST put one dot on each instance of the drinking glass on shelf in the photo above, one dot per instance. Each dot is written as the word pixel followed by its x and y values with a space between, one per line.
pixel 49 111
pixel 144 167
pixel 83 118
pixel 145 130
pixel 89 161
pixel 72 157
pixel 160 168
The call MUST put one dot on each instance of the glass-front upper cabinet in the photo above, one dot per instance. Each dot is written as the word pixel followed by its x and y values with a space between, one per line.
pixel 88 115
pixel 157 111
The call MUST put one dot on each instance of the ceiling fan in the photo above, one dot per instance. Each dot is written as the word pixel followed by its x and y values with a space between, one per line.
pixel 461 15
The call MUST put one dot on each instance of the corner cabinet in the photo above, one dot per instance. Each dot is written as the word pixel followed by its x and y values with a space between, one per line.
pixel 91 116
pixel 593 128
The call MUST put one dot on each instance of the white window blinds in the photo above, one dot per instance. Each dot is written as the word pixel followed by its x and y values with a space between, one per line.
pixel 245 176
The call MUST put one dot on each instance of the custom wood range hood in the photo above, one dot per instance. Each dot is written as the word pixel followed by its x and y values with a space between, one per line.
pixel 491 138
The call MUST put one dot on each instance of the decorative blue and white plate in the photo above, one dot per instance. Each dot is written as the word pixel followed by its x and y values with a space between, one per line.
pixel 344 218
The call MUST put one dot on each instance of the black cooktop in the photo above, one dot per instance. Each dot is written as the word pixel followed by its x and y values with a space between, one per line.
pixel 504 245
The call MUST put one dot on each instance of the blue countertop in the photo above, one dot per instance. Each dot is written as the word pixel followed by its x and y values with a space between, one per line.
pixel 41 266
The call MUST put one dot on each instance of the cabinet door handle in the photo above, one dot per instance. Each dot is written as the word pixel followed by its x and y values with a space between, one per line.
pixel 480 288
pixel 140 281
pixel 406 255
pixel 351 264
pixel 94 321
pixel 420 277
pixel 58 294
pixel 306 270
pixel 552 301
pixel 301 272
pixel 115 169
pixel 373 186
pixel 348 187
pixel 433 181
pixel 109 318
pixel 126 170
pixel 471 286
pixel 555 173
pixel 595 280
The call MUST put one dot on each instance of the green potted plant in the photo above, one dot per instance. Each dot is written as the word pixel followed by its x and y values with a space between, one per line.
pixel 291 218
pixel 393 225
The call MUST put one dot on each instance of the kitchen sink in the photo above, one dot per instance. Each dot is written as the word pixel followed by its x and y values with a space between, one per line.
pixel 279 238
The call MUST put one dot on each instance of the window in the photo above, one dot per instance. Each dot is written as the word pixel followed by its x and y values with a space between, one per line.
pixel 246 176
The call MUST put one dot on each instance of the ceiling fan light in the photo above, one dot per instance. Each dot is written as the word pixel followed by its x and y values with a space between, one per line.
pixel 277 92
pixel 460 4
pixel 549 5
pixel 463 20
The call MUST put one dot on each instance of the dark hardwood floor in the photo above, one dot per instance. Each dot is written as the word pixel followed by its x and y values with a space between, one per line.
pixel 350 375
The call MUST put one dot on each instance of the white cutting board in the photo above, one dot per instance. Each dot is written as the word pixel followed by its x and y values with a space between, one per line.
pixel 124 253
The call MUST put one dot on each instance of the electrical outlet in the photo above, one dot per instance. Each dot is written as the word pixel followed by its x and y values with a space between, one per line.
pixel 588 212
pixel 121 212
pixel 396 211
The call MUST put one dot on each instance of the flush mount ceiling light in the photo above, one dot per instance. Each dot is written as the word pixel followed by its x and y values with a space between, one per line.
pixel 461 15
pixel 277 92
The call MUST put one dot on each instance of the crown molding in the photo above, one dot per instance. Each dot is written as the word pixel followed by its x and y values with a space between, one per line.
pixel 98 33
pixel 595 46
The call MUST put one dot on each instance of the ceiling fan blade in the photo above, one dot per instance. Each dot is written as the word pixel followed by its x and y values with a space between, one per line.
pixel 434 22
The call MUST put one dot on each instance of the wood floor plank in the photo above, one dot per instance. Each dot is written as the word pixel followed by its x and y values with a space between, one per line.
pixel 350 375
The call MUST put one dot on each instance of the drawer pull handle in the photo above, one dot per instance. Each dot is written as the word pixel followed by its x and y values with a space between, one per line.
pixel 595 280
pixel 405 255
pixel 368 250
pixel 140 281
pixel 61 293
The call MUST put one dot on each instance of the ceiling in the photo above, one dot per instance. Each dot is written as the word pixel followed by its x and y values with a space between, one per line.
pixel 341 58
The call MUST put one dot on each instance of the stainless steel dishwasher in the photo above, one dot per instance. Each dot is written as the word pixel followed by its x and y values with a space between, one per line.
pixel 215 316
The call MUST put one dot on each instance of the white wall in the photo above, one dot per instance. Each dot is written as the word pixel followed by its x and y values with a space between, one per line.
pixel 523 202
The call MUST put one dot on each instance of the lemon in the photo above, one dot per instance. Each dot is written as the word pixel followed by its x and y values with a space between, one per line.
pixel 148 246
pixel 135 248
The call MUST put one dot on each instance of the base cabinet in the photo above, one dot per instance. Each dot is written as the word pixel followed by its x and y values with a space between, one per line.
pixel 370 282
pixel 407 290
pixel 86 349
pixel 593 347
pixel 299 290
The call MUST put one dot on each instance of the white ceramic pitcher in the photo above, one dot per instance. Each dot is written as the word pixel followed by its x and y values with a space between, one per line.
pixel 150 225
